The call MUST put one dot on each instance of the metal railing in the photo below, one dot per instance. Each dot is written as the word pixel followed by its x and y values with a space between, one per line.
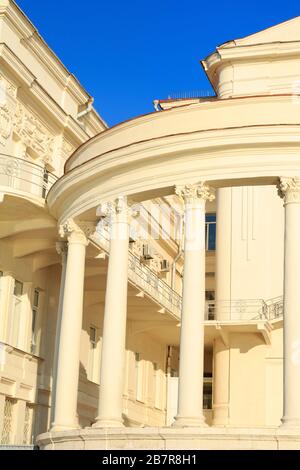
pixel 144 278
pixel 22 175
pixel 236 310
pixel 224 310
pixel 274 308
pixel 245 309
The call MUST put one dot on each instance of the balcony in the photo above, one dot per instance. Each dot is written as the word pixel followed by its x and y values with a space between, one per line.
pixel 244 310
pixel 24 177
pixel 145 279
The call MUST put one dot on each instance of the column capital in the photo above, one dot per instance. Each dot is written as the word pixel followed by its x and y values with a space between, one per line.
pixel 289 189
pixel 191 192
pixel 76 232
pixel 117 210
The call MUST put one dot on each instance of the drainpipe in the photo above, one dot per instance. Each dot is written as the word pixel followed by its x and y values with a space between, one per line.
pixel 89 105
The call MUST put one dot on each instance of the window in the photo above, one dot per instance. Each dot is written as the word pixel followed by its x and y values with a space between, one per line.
pixel 210 305
pixel 210 232
pixel 45 183
pixel 157 386
pixel 35 310
pixel 138 377
pixel 207 393
pixel 93 366
pixel 15 314
pixel 6 436
pixel 28 424
pixel 18 289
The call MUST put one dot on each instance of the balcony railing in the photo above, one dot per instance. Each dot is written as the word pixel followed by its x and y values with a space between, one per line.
pixel 236 310
pixel 22 175
pixel 244 310
pixel 225 310
pixel 274 308
pixel 144 278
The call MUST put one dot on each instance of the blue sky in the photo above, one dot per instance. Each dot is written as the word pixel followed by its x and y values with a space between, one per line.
pixel 127 52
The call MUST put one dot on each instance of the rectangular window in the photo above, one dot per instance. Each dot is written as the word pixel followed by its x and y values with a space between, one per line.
pixel 15 314
pixel 210 232
pixel 18 289
pixel 35 311
pixel 138 377
pixel 207 394
pixel 210 305
pixel 157 386
pixel 45 183
pixel 93 363
pixel 7 427
pixel 28 424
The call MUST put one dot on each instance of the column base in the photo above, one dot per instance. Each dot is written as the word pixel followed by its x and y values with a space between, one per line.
pixel 187 422
pixel 292 424
pixel 108 423
pixel 220 415
pixel 63 427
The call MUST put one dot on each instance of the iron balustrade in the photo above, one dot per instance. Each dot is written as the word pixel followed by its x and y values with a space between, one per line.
pixel 274 308
pixel 144 278
pixel 236 310
pixel 159 290
pixel 244 309
pixel 22 175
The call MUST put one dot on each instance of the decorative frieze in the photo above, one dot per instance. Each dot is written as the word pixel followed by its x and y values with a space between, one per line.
pixel 7 92
pixel 33 133
pixel 289 189
pixel 63 148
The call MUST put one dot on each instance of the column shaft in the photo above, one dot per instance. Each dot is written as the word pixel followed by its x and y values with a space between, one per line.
pixel 190 397
pixel 290 188
pixel 62 249
pixel 114 326
pixel 70 332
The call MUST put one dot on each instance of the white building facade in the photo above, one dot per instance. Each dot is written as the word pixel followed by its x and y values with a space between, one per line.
pixel 149 272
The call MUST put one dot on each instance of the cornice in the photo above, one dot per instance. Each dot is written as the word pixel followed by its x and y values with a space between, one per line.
pixel 17 66
pixel 232 52
pixel 11 13
pixel 220 158
pixel 219 104
pixel 23 75
pixel 30 38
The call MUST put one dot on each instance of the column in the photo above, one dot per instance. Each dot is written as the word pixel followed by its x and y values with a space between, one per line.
pixel 289 189
pixel 70 331
pixel 190 393
pixel 114 326
pixel 62 250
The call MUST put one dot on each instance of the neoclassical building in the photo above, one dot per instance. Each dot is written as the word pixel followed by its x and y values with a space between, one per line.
pixel 149 272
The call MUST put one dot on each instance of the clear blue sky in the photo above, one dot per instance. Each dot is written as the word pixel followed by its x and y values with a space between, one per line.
pixel 128 52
